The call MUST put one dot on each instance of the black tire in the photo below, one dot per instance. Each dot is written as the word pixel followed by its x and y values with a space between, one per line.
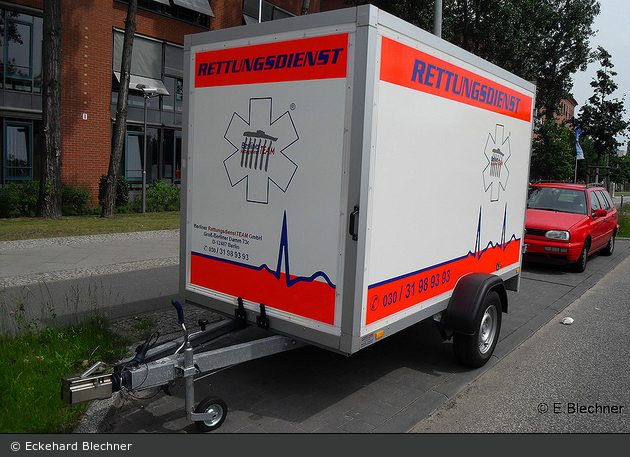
pixel 219 411
pixel 610 247
pixel 580 265
pixel 476 349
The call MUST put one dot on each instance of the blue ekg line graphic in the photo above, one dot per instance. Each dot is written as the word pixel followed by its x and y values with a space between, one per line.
pixel 478 252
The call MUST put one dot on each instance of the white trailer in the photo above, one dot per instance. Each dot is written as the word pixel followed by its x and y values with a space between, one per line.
pixel 346 171
pixel 344 176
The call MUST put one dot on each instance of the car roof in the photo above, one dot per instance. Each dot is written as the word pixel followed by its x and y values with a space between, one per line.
pixel 565 185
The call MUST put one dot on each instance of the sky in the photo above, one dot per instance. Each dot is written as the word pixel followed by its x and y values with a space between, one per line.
pixel 612 28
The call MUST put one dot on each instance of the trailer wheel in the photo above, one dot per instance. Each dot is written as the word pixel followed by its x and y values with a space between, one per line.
pixel 215 406
pixel 475 350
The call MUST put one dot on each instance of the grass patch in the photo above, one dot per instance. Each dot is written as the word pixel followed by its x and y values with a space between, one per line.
pixel 30 228
pixel 624 215
pixel 143 328
pixel 32 365
pixel 624 222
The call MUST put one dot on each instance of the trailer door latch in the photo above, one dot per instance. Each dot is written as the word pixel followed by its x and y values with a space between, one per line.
pixel 354 224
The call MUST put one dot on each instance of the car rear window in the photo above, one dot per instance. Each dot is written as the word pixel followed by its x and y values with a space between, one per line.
pixel 557 199
pixel 604 200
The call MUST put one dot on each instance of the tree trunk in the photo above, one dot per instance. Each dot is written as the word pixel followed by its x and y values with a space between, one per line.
pixel 306 4
pixel 120 126
pixel 49 202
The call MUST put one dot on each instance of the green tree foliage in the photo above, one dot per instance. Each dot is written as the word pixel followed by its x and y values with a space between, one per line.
pixel 545 41
pixel 602 117
pixel 553 153
pixel 620 169
pixel 20 200
pixel 589 157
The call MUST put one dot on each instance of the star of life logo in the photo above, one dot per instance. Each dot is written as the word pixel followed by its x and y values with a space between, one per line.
pixel 497 152
pixel 259 158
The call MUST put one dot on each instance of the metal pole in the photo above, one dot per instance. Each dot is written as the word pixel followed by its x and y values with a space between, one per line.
pixel 437 19
pixel 144 156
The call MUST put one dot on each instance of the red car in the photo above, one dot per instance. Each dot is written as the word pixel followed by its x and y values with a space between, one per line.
pixel 566 223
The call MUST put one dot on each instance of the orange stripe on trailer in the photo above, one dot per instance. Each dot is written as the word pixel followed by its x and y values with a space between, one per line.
pixel 305 59
pixel 409 67
pixel 312 299
pixel 397 294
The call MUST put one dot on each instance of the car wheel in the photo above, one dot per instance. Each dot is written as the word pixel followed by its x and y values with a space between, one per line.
pixel 608 250
pixel 580 265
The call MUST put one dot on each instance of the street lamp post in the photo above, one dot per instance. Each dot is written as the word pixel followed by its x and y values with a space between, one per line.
pixel 147 93
pixel 437 18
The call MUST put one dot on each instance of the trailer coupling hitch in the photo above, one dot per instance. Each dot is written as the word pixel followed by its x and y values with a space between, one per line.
pixel 89 385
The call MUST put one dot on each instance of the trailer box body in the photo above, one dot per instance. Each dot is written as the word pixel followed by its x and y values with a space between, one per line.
pixel 342 171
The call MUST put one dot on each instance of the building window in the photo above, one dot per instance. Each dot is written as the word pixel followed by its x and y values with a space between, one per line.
pixel 173 101
pixel 172 156
pixel 21 39
pixel 18 150
pixel 133 162
pixel 159 65
pixel 178 157
pixel 154 63
pixel 252 11
pixel 134 154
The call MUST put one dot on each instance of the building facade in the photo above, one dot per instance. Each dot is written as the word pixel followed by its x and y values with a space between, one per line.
pixel 92 36
pixel 567 109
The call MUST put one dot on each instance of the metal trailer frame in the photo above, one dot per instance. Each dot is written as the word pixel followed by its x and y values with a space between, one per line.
pixel 168 364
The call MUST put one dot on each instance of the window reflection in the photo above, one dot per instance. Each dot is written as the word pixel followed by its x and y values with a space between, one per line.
pixel 21 38
pixel 18 156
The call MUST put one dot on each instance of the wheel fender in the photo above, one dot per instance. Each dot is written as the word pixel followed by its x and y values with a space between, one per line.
pixel 468 297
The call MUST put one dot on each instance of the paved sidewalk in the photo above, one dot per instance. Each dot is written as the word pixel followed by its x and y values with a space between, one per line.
pixel 564 379
pixel 64 278
pixel 53 259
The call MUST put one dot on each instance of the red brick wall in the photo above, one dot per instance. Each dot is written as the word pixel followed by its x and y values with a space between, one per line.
pixel 39 4
pixel 87 75
pixel 226 14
